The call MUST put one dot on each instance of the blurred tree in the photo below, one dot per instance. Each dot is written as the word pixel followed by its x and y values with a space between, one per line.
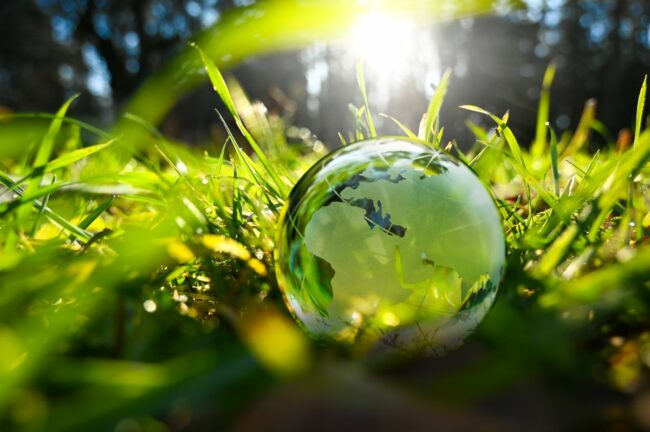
pixel 601 49
pixel 135 37
pixel 35 70
pixel 52 48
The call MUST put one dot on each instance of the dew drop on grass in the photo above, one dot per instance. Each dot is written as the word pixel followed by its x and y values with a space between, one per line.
pixel 392 246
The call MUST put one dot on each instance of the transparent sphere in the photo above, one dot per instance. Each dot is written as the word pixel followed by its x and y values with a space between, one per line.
pixel 391 245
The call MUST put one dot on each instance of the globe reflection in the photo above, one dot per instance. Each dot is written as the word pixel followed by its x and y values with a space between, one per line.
pixel 389 244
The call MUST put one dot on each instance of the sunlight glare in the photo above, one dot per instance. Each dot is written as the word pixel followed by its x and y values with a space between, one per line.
pixel 385 45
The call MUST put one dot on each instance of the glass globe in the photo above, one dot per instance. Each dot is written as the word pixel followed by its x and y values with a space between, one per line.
pixel 390 244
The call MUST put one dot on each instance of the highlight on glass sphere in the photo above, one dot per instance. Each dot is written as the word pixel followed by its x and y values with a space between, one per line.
pixel 391 245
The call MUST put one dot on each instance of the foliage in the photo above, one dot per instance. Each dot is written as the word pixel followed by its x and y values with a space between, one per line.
pixel 128 293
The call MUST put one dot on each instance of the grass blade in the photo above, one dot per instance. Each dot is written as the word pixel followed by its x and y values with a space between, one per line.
pixel 408 132
pixel 639 111
pixel 543 110
pixel 66 159
pixel 219 85
pixel 362 87
pixel 554 162
pixel 88 220
pixel 47 145
pixel 37 221
pixel 54 217
pixel 44 153
pixel 581 135
pixel 427 133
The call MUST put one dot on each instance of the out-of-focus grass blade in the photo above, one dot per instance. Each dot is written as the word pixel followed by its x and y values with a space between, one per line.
pixel 54 217
pixel 276 342
pixel 66 159
pixel 639 111
pixel 47 116
pixel 47 145
pixel 101 208
pixel 408 132
pixel 581 135
pixel 593 286
pixel 361 82
pixel 592 164
pixel 358 123
pixel 479 132
pixel 554 162
pixel 539 146
pixel 118 389
pixel 235 222
pixel 29 343
pixel 75 156
pixel 427 132
pixel 37 221
pixel 438 138
pixel 556 252
pixel 222 154
pixel 44 152
pixel 628 167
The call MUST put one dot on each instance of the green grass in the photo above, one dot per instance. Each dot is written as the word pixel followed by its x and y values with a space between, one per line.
pixel 125 292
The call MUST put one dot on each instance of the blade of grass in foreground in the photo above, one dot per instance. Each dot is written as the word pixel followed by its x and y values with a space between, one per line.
pixel 66 160
pixel 37 221
pixel 54 217
pixel 47 116
pixel 87 281
pixel 101 208
pixel 47 145
pixel 220 87
pixel 44 153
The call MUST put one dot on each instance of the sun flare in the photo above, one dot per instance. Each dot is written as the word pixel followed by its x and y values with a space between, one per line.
pixel 384 44
pixel 393 49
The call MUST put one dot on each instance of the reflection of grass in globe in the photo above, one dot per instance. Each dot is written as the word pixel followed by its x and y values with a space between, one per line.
pixel 390 240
